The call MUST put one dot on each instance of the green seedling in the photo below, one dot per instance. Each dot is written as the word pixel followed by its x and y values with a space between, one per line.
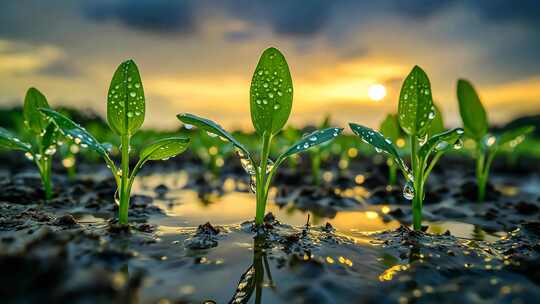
pixel 125 114
pixel 475 123
pixel 271 97
pixel 42 133
pixel 415 115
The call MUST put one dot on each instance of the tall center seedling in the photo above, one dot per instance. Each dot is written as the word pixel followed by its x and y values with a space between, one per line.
pixel 125 114
pixel 271 96
pixel 415 114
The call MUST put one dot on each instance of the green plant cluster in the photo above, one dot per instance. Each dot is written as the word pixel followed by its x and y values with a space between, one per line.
pixel 413 140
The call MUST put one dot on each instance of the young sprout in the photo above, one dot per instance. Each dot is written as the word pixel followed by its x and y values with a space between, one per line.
pixel 43 134
pixel 271 96
pixel 125 114
pixel 475 123
pixel 415 115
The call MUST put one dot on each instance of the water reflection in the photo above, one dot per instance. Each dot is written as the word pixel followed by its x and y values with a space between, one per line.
pixel 252 280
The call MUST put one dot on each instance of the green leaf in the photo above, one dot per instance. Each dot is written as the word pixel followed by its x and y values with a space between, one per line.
pixel 471 110
pixel 49 138
pixel 415 110
pixel 514 136
pixel 164 148
pixel 34 100
pixel 125 100
pixel 377 140
pixel 311 140
pixel 10 141
pixel 75 132
pixel 271 93
pixel 390 127
pixel 212 128
pixel 437 124
pixel 441 142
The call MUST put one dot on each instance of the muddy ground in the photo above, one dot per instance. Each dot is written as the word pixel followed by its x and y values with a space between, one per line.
pixel 191 239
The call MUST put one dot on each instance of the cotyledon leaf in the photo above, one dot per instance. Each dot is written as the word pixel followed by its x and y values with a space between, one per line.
pixel 271 93
pixel 125 100
pixel 34 100
pixel 377 140
pixel 164 148
pixel 415 109
pixel 441 141
pixel 10 141
pixel 211 127
pixel 313 139
pixel 74 131
pixel 514 134
pixel 471 110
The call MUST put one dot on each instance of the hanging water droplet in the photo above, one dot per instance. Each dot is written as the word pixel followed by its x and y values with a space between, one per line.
pixel 459 144
pixel 422 140
pixel 408 191
pixel 489 140
pixel 441 145
pixel 459 131
pixel 29 156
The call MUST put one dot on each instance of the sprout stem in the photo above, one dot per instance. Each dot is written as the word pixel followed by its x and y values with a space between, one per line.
pixel 418 172
pixel 124 181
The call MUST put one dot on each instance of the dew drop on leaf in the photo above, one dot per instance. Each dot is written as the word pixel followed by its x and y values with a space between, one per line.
pixel 408 191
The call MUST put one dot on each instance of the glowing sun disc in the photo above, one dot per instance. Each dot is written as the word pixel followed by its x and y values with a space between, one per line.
pixel 376 92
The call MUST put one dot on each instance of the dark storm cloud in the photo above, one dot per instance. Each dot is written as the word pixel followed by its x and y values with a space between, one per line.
pixel 161 16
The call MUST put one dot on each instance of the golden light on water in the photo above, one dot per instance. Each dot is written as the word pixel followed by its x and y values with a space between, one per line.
pixel 376 92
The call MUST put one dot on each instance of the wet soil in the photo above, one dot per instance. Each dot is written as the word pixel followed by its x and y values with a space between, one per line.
pixel 191 241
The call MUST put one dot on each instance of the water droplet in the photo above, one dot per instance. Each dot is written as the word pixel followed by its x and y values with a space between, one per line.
pixel 422 140
pixel 441 145
pixel 459 131
pixel 130 114
pixel 378 150
pixel 119 172
pixel 265 85
pixel 211 134
pixel 408 191
pixel 313 138
pixel 459 144
pixel 489 140
pixel 77 140
pixel 276 106
pixel 50 150
pixel 306 145
pixel 271 95
pixel 132 94
pixel 258 101
pixel 431 115
pixel 29 156
pixel 137 85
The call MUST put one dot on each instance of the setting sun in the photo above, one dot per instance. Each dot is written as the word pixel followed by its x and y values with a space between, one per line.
pixel 376 92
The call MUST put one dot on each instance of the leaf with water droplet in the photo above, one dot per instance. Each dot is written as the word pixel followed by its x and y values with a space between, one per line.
pixel 164 148
pixel 513 134
pixel 34 100
pixel 311 140
pixel 437 123
pixel 50 136
pixel 73 130
pixel 271 116
pixel 449 136
pixel 377 140
pixel 125 102
pixel 8 140
pixel 212 127
pixel 471 110
pixel 413 111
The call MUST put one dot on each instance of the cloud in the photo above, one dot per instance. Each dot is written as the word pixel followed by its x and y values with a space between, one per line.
pixel 159 16
pixel 19 58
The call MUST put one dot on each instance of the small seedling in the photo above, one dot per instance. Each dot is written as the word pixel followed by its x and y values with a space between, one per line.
pixel 415 115
pixel 43 138
pixel 475 123
pixel 271 96
pixel 125 114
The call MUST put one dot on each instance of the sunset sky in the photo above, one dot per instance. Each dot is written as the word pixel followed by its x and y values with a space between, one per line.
pixel 198 56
